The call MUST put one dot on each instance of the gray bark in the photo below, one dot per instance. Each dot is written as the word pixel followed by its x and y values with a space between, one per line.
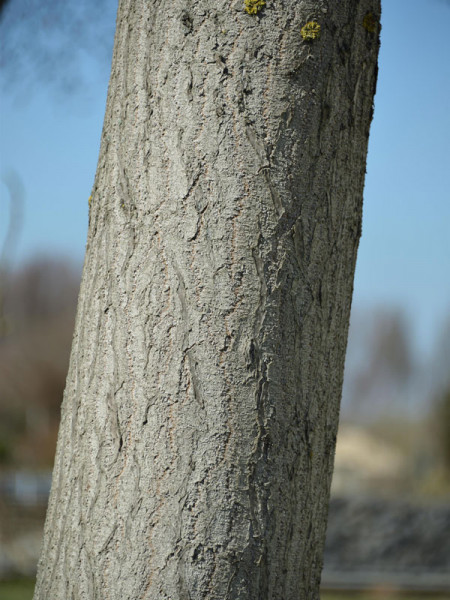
pixel 199 421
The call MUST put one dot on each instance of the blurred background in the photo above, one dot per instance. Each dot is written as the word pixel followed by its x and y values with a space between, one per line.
pixel 389 523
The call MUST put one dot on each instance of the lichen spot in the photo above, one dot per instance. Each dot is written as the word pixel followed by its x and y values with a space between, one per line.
pixel 252 7
pixel 90 200
pixel 370 23
pixel 310 31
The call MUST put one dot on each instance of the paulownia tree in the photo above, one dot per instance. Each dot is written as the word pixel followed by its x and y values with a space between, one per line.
pixel 198 427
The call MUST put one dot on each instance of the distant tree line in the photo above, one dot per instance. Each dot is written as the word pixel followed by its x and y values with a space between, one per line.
pixel 39 302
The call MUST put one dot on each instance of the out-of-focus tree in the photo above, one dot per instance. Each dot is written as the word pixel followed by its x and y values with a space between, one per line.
pixel 42 43
pixel 39 307
pixel 16 196
pixel 439 392
pixel 380 364
pixel 441 422
pixel 41 289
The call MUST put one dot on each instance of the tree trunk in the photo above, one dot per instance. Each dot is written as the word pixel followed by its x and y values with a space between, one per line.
pixel 199 421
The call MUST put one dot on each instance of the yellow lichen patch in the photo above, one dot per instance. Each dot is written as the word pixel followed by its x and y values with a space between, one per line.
pixel 370 23
pixel 252 7
pixel 310 31
pixel 90 200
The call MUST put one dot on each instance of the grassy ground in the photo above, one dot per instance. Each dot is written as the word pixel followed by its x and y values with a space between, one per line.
pixel 23 590
pixel 17 590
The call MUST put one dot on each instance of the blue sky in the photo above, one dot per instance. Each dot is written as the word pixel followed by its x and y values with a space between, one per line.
pixel 51 140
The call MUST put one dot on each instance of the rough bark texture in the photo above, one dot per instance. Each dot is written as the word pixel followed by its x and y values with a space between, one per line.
pixel 200 414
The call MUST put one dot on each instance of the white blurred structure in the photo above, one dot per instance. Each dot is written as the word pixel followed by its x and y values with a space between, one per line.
pixel 365 462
